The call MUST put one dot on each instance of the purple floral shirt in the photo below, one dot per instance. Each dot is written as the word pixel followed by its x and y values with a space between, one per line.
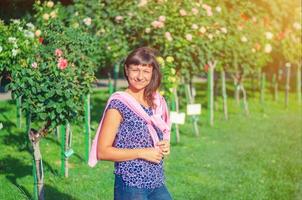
pixel 133 133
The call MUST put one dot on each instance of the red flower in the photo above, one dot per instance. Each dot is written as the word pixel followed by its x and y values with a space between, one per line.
pixel 244 17
pixel 281 36
pixel 206 68
pixel 62 63
pixel 58 52
pixel 257 46
pixel 266 21
pixel 41 40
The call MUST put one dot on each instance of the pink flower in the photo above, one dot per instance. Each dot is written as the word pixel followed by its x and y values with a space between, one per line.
pixel 194 11
pixel 157 24
pixel 142 3
pixel 194 26
pixel 62 63
pixel 208 9
pixel 58 52
pixel 147 30
pixel 209 13
pixel 182 12
pixel 87 21
pixel 162 18
pixel 119 18
pixel 168 36
pixel 34 65
pixel 189 37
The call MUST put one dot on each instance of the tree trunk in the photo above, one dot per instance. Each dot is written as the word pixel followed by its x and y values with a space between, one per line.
pixel 275 87
pixel 37 162
pixel 34 138
pixel 224 95
pixel 287 87
pixel 211 92
pixel 244 96
pixel 19 112
pixel 299 83
pixel 236 81
pixel 259 77
pixel 262 89
pixel 190 98
pixel 177 110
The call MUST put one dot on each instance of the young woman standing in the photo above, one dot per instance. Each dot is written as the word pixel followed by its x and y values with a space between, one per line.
pixel 135 132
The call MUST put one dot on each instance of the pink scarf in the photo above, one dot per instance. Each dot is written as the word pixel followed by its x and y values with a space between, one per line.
pixel 160 119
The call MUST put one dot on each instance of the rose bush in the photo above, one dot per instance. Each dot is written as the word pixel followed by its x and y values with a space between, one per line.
pixel 17 41
pixel 60 73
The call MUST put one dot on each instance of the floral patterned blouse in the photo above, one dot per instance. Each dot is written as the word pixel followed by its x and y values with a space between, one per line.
pixel 133 133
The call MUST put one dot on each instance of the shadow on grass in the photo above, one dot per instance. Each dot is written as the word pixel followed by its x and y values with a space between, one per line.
pixel 15 169
pixel 7 122
pixel 78 156
pixel 20 142
pixel 53 193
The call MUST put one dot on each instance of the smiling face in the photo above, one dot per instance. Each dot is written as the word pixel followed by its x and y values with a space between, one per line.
pixel 139 76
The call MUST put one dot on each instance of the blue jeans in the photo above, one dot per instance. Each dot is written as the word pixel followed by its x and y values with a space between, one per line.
pixel 124 192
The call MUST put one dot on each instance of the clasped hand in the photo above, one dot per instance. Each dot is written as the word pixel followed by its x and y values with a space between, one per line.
pixel 155 155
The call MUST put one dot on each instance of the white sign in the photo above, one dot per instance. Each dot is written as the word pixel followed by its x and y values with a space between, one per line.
pixel 193 109
pixel 177 118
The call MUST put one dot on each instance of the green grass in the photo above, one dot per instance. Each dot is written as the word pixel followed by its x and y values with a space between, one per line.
pixel 256 157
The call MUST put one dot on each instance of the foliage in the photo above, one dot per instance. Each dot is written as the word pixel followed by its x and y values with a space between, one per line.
pixel 17 40
pixel 53 85
pixel 101 18
pixel 170 79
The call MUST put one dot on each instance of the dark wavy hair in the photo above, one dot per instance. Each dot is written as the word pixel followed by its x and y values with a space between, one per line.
pixel 146 56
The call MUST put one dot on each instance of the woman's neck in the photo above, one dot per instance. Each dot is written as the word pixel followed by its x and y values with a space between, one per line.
pixel 137 94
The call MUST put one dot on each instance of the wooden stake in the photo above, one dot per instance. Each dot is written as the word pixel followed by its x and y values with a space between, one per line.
pixel 115 75
pixel 63 138
pixel 110 86
pixel 87 127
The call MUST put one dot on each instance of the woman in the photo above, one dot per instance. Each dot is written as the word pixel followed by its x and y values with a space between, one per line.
pixel 135 132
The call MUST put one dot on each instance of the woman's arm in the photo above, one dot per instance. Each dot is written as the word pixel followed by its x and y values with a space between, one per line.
pixel 106 151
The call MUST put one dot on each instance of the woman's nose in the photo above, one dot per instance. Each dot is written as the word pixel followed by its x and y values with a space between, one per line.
pixel 140 75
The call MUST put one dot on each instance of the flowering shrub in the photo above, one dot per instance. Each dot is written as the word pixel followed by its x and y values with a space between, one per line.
pixel 103 20
pixel 52 86
pixel 17 41
pixel 170 79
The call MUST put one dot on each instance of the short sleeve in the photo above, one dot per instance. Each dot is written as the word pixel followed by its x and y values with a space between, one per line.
pixel 118 105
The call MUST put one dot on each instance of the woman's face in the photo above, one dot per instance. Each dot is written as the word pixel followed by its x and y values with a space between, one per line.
pixel 139 76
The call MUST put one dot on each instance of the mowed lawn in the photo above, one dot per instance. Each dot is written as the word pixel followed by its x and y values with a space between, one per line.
pixel 256 157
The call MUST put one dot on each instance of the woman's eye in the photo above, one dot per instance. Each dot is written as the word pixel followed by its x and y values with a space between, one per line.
pixel 147 72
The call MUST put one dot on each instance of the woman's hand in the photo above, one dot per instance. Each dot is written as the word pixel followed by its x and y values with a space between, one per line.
pixel 164 145
pixel 151 154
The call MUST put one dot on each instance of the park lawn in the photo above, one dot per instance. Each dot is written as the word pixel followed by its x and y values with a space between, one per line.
pixel 256 157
